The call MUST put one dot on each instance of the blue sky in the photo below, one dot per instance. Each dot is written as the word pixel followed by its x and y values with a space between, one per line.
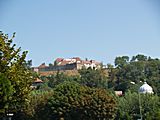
pixel 94 29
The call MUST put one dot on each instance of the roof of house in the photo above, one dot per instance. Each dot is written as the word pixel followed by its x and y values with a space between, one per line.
pixel 38 81
pixel 42 66
pixel 59 59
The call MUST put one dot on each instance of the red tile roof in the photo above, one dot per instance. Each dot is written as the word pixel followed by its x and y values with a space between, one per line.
pixel 59 59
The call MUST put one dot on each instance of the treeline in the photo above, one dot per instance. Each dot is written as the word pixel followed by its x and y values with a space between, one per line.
pixel 136 70
pixel 87 96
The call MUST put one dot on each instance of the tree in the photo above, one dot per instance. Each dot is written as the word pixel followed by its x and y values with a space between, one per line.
pixel 15 74
pixel 129 106
pixel 111 76
pixel 50 65
pixel 93 78
pixel 71 101
pixel 121 61
pixel 6 91
pixel 140 57
pixel 36 108
pixel 54 80
pixel 138 69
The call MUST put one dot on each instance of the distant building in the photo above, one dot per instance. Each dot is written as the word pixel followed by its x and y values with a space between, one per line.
pixel 36 83
pixel 118 93
pixel 74 63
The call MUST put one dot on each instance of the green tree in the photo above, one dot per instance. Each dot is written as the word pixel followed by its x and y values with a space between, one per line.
pixel 6 91
pixel 121 61
pixel 139 57
pixel 138 69
pixel 129 106
pixel 111 76
pixel 94 78
pixel 36 108
pixel 17 76
pixel 54 80
pixel 71 101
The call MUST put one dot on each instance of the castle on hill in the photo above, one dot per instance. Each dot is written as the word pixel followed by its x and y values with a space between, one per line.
pixel 74 63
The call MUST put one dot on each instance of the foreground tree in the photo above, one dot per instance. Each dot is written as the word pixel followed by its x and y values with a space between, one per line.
pixel 129 107
pixel 5 92
pixel 71 101
pixel 15 76
pixel 36 108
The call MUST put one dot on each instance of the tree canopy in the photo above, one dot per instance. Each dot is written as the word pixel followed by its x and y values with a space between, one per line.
pixel 129 106
pixel 137 70
pixel 93 77
pixel 15 77
pixel 71 101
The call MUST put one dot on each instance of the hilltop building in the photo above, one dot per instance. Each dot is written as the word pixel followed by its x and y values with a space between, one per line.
pixel 74 63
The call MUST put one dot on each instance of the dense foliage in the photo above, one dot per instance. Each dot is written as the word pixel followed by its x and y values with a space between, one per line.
pixel 15 77
pixel 131 103
pixel 138 69
pixel 5 92
pixel 93 78
pixel 36 109
pixel 71 101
